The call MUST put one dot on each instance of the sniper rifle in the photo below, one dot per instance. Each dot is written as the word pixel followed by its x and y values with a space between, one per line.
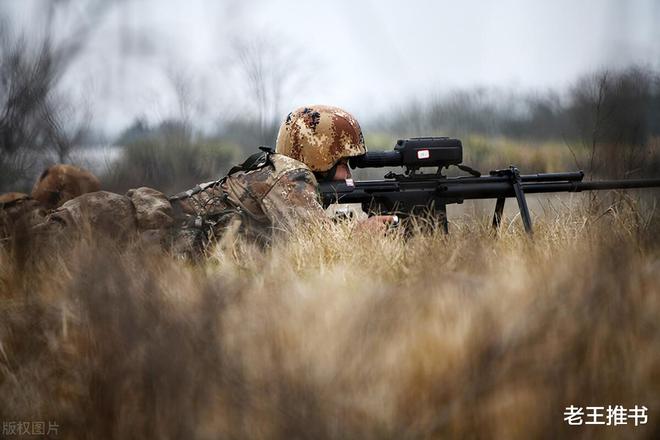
pixel 415 191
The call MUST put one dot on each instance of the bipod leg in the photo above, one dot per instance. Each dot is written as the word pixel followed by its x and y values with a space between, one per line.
pixel 438 210
pixel 522 201
pixel 443 214
pixel 516 182
pixel 499 209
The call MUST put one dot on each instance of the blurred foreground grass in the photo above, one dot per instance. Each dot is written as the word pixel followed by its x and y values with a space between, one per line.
pixel 333 334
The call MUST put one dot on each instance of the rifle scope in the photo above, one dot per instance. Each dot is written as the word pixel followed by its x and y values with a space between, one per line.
pixel 414 153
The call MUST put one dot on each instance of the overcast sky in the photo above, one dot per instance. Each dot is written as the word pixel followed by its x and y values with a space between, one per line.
pixel 366 56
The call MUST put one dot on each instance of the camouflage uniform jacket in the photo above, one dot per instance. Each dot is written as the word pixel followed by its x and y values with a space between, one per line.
pixel 275 196
pixel 15 207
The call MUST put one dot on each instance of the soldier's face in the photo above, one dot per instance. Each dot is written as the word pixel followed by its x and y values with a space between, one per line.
pixel 342 171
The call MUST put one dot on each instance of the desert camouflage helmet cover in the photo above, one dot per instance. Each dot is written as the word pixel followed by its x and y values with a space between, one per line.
pixel 320 135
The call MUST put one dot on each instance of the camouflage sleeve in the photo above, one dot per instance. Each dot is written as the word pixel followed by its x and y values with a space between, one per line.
pixel 292 199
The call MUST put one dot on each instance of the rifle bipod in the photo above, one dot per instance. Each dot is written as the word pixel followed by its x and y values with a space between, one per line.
pixel 513 174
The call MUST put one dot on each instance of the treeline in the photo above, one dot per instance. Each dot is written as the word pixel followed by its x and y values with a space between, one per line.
pixel 612 117
pixel 41 123
pixel 618 104
pixel 171 156
pixel 37 119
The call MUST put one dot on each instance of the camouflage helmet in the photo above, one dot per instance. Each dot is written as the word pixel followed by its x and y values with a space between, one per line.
pixel 60 183
pixel 319 136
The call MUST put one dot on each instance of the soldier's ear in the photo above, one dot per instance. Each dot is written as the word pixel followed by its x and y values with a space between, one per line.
pixel 327 176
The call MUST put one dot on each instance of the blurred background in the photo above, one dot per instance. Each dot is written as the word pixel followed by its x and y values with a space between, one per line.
pixel 169 94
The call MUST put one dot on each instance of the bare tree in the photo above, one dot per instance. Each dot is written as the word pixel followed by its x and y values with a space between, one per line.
pixel 271 72
pixel 66 125
pixel 30 69
pixel 611 111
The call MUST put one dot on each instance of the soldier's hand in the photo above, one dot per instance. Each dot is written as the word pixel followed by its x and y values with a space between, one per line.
pixel 377 223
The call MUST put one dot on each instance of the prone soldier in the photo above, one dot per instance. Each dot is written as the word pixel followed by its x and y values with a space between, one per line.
pixel 271 191
pixel 56 185
pixel 276 190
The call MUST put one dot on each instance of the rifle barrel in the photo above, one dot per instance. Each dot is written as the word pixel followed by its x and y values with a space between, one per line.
pixel 591 185
pixel 494 178
pixel 505 189
pixel 487 187
pixel 553 177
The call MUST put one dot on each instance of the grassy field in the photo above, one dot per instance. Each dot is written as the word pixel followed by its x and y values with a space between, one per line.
pixel 338 334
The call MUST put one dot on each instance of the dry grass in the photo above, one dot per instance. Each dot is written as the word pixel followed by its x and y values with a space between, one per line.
pixel 335 334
